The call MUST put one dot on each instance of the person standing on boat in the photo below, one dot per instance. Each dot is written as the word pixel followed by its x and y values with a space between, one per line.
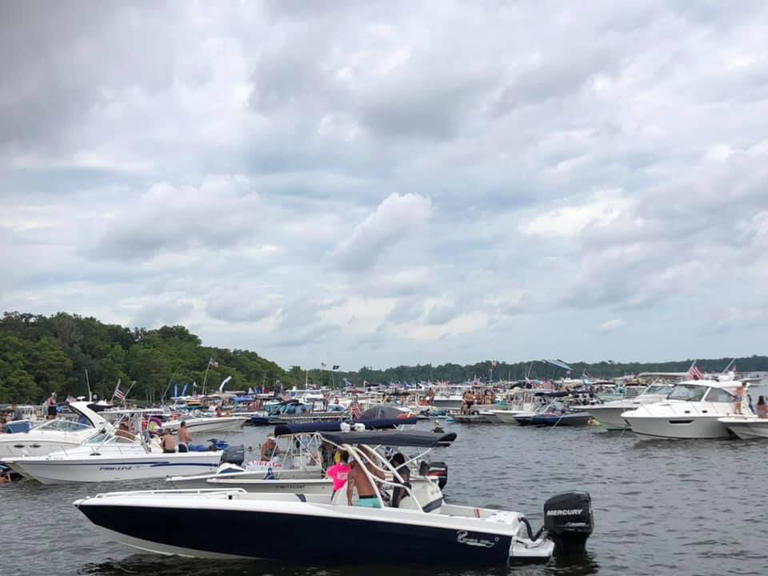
pixel 268 448
pixel 16 413
pixel 400 492
pixel 339 473
pixel 184 437
pixel 51 406
pixel 739 398
pixel 357 479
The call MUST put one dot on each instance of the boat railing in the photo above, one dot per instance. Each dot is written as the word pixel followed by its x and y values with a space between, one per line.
pixel 191 491
pixel 360 457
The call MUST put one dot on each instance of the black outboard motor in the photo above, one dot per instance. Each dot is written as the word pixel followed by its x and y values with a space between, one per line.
pixel 436 470
pixel 568 521
pixel 234 455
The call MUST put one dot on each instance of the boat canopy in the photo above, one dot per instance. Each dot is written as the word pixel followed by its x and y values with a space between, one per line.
pixel 391 438
pixel 310 427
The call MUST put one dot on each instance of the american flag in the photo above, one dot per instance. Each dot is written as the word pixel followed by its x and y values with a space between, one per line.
pixel 695 373
pixel 119 394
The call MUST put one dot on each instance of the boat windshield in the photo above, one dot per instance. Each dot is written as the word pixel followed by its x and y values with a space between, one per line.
pixel 658 389
pixel 61 425
pixel 688 392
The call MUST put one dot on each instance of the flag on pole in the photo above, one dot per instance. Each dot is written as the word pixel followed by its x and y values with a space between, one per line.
pixel 323 364
pixel 335 367
pixel 213 363
pixel 119 394
pixel 695 374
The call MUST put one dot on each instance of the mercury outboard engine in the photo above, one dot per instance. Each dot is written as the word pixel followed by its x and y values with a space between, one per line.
pixel 436 470
pixel 568 521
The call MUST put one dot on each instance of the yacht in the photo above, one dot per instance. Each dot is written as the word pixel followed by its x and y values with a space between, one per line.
pixel 691 410
pixel 609 413
pixel 57 434
pixel 747 426
pixel 423 529
pixel 107 458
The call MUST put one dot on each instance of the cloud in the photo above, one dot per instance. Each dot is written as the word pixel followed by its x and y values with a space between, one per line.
pixel 391 223
pixel 611 325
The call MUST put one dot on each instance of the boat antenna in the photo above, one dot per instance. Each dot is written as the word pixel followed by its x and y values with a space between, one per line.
pixel 728 366
pixel 88 384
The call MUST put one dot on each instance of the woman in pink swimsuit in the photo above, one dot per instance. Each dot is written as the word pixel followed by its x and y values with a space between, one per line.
pixel 339 473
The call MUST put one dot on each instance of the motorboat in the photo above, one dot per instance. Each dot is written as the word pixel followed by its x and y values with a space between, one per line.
pixel 107 458
pixel 57 434
pixel 692 409
pixel 609 413
pixel 553 411
pixel 302 455
pixel 746 427
pixel 208 424
pixel 423 529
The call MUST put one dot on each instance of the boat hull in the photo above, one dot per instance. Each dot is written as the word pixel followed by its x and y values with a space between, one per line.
pixel 209 425
pixel 580 419
pixel 356 536
pixel 677 427
pixel 747 428
pixel 28 445
pixel 110 469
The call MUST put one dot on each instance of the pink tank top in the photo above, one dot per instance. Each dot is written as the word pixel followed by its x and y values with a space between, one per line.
pixel 338 473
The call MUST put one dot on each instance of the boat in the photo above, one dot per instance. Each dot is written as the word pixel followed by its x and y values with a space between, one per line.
pixel 424 529
pixel 609 413
pixel 107 458
pixel 57 434
pixel 554 418
pixel 692 409
pixel 746 427
pixel 208 425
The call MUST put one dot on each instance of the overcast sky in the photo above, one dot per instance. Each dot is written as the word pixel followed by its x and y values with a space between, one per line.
pixel 393 182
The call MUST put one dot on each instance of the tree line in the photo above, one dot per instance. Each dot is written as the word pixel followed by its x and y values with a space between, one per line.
pixel 44 354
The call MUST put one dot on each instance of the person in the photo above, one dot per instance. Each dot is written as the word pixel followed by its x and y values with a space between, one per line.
pixel 398 493
pixel 218 411
pixel 358 480
pixel 438 429
pixel 268 448
pixel 5 477
pixel 169 442
pixel 124 431
pixel 339 473
pixel 762 407
pixel 51 406
pixel 185 438
pixel 739 397
pixel 16 413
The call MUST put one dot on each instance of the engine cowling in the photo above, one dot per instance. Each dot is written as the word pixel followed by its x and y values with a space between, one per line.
pixel 568 521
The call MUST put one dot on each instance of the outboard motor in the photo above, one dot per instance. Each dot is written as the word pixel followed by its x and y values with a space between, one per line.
pixel 234 455
pixel 436 470
pixel 568 521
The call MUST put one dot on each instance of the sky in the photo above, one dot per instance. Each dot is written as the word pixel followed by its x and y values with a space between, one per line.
pixel 393 183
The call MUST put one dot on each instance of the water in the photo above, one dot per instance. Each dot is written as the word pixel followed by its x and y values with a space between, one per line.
pixel 661 507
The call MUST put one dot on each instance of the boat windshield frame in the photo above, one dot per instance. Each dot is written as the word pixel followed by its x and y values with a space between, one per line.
pixel 695 392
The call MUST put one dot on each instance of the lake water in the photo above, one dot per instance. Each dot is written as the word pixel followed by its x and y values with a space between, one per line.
pixel 661 507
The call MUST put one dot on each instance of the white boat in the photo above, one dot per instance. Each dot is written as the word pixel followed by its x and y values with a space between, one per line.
pixel 422 530
pixel 610 413
pixel 111 460
pixel 52 435
pixel 746 427
pixel 209 425
pixel 692 410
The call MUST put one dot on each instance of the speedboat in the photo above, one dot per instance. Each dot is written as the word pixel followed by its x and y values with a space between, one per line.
pixel 609 413
pixel 692 410
pixel 423 529
pixel 208 425
pixel 107 458
pixel 746 427
pixel 57 434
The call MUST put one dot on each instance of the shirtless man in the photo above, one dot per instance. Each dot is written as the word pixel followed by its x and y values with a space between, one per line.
pixel 268 448
pixel 169 443
pixel 358 479
pixel 184 437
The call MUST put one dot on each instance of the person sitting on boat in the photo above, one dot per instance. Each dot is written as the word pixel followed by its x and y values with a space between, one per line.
pixel 339 473
pixel 124 431
pixel 16 413
pixel 185 439
pixel 398 493
pixel 438 429
pixel 218 411
pixel 169 442
pixel 762 407
pixel 268 448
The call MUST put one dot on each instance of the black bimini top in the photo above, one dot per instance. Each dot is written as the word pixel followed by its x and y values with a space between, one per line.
pixel 391 438
pixel 309 427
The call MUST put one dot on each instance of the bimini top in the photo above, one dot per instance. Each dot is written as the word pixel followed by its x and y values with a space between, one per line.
pixel 391 438
pixel 310 427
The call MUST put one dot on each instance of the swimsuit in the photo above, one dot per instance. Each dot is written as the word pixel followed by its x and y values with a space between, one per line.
pixel 368 502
